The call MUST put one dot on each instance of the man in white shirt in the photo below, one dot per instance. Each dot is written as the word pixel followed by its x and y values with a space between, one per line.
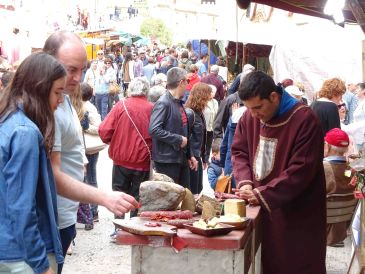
pixel 67 155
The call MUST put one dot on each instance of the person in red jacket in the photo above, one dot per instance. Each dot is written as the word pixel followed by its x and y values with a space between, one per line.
pixel 125 129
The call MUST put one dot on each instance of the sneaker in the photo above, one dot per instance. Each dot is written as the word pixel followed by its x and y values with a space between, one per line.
pixel 114 234
pixel 96 218
pixel 89 226
pixel 69 250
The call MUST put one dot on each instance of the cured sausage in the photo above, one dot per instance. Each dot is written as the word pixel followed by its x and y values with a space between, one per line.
pixel 167 215
pixel 152 224
pixel 179 223
pixel 224 196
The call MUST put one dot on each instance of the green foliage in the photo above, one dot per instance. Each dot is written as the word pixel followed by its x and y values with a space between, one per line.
pixel 156 30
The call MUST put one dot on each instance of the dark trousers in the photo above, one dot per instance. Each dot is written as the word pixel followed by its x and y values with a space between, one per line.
pixel 112 99
pixel 67 235
pixel 209 144
pixel 180 173
pixel 90 178
pixel 196 177
pixel 128 181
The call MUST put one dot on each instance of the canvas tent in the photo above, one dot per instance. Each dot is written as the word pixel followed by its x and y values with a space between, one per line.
pixel 310 57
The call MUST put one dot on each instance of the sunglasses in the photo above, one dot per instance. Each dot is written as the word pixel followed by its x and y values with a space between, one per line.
pixel 107 63
pixel 100 53
pixel 341 105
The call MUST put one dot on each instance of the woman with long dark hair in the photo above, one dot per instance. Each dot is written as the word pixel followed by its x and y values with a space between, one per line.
pixel 197 101
pixel 29 238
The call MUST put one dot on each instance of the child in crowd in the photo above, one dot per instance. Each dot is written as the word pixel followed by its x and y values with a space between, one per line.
pixel 214 169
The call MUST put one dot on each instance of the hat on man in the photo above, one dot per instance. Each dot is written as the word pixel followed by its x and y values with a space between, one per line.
pixel 337 137
pixel 294 90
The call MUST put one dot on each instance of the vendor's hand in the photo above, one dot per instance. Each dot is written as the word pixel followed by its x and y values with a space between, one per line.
pixel 184 142
pixel 120 203
pixel 244 192
pixel 49 271
pixel 193 163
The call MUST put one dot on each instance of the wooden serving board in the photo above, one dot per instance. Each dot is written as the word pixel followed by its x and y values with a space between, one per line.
pixel 136 225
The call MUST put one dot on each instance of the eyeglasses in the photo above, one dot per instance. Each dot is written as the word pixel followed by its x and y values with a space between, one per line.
pixel 341 105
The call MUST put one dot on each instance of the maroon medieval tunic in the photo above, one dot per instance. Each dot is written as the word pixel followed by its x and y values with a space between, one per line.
pixel 283 158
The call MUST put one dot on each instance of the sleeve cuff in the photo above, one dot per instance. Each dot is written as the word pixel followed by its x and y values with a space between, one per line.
pixel 261 199
pixel 244 182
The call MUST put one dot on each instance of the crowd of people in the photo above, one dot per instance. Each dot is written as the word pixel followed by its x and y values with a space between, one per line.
pixel 174 115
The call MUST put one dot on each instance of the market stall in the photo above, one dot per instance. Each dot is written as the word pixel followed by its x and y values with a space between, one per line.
pixel 170 249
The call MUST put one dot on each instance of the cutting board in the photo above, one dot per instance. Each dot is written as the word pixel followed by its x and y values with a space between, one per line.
pixel 136 225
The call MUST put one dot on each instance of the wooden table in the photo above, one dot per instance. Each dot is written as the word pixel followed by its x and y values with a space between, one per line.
pixel 235 253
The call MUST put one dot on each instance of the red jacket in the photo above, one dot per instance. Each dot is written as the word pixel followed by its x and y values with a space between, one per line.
pixel 193 79
pixel 126 147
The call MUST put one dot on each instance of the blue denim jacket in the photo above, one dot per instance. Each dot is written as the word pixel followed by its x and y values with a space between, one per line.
pixel 28 209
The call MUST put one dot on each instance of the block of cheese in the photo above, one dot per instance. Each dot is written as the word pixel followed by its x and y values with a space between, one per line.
pixel 235 206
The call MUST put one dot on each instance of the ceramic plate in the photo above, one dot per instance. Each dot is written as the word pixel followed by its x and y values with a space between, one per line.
pixel 237 225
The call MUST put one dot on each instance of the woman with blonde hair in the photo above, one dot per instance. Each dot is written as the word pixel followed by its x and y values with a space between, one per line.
pixel 198 99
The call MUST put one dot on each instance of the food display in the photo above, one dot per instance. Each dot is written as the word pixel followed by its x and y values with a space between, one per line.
pixel 230 218
pixel 152 224
pixel 179 223
pixel 210 224
pixel 214 202
pixel 234 219
pixel 224 196
pixel 209 228
pixel 235 207
pixel 167 215
pixel 188 202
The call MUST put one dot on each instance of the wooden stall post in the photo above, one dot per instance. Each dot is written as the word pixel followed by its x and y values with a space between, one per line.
pixel 363 60
pixel 208 56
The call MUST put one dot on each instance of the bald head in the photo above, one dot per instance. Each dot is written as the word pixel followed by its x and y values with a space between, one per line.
pixel 69 49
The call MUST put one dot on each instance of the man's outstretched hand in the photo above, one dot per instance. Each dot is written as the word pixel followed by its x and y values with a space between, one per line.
pixel 120 203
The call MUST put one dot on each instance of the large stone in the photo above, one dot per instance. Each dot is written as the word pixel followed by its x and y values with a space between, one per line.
pixel 159 195
pixel 161 177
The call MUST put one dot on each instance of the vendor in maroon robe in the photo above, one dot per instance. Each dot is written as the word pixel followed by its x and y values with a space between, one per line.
pixel 277 161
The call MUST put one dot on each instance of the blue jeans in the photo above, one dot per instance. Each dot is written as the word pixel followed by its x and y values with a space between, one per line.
pixel 91 176
pixel 67 235
pixel 102 104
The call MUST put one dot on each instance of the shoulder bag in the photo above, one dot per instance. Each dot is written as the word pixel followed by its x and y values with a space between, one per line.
pixel 114 88
pixel 144 141
pixel 93 143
